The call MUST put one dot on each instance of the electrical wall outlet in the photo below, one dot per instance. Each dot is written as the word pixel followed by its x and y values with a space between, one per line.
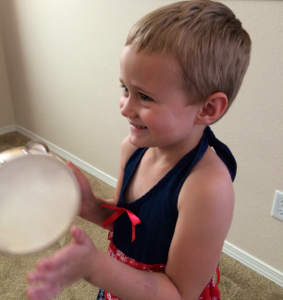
pixel 277 208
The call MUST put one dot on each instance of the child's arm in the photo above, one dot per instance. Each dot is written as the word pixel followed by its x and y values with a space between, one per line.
pixel 91 209
pixel 82 260
pixel 205 212
pixel 205 207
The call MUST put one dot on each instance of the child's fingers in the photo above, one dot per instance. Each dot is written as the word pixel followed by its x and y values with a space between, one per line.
pixel 76 170
pixel 55 262
pixel 43 270
pixel 79 175
pixel 50 271
pixel 43 291
pixel 71 165
pixel 40 277
pixel 32 277
pixel 80 237
pixel 63 256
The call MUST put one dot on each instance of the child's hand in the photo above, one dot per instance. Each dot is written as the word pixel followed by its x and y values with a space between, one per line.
pixel 91 209
pixel 88 200
pixel 72 263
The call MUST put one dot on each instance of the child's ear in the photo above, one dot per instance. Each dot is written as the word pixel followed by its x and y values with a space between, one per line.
pixel 212 109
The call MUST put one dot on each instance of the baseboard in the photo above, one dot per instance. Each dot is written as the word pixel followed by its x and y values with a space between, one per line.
pixel 234 252
pixel 7 129
pixel 68 156
pixel 253 263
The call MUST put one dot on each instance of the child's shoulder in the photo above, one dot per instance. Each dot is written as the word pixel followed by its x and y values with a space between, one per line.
pixel 211 170
pixel 127 149
pixel 209 189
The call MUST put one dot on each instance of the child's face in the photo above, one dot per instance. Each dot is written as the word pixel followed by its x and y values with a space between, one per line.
pixel 154 101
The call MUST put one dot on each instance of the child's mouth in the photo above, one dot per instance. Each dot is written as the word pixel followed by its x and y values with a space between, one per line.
pixel 137 127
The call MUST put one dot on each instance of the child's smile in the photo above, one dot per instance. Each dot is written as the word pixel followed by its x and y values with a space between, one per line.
pixel 153 100
pixel 136 128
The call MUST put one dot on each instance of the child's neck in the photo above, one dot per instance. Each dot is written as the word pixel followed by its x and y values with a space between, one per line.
pixel 173 153
pixel 155 164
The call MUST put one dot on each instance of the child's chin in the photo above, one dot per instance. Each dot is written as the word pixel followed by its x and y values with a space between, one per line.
pixel 138 142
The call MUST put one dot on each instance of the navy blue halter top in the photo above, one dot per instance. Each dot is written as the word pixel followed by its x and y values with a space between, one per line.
pixel 157 209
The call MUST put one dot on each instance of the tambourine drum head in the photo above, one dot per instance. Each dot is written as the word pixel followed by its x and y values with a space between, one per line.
pixel 39 199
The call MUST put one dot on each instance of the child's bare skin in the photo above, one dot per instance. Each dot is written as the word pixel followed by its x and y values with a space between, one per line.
pixel 91 209
pixel 65 267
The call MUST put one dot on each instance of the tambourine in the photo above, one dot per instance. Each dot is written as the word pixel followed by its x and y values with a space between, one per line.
pixel 39 199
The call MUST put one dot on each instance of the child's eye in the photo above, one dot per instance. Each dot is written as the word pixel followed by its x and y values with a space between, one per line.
pixel 125 89
pixel 145 97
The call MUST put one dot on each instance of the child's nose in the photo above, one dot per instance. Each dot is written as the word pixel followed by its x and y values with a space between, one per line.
pixel 127 107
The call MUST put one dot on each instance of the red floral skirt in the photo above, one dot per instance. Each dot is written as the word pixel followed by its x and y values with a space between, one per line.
pixel 211 291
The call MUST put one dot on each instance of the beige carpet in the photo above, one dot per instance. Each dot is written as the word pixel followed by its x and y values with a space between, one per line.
pixel 237 282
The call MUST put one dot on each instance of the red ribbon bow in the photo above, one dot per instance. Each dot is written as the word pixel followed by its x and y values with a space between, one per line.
pixel 119 211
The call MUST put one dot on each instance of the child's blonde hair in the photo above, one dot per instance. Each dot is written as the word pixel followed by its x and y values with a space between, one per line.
pixel 206 39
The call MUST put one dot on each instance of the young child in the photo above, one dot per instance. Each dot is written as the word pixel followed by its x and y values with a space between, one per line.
pixel 181 69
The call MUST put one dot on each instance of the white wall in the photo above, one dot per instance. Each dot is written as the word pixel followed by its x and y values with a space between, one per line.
pixel 62 61
pixel 7 117
pixel 254 131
